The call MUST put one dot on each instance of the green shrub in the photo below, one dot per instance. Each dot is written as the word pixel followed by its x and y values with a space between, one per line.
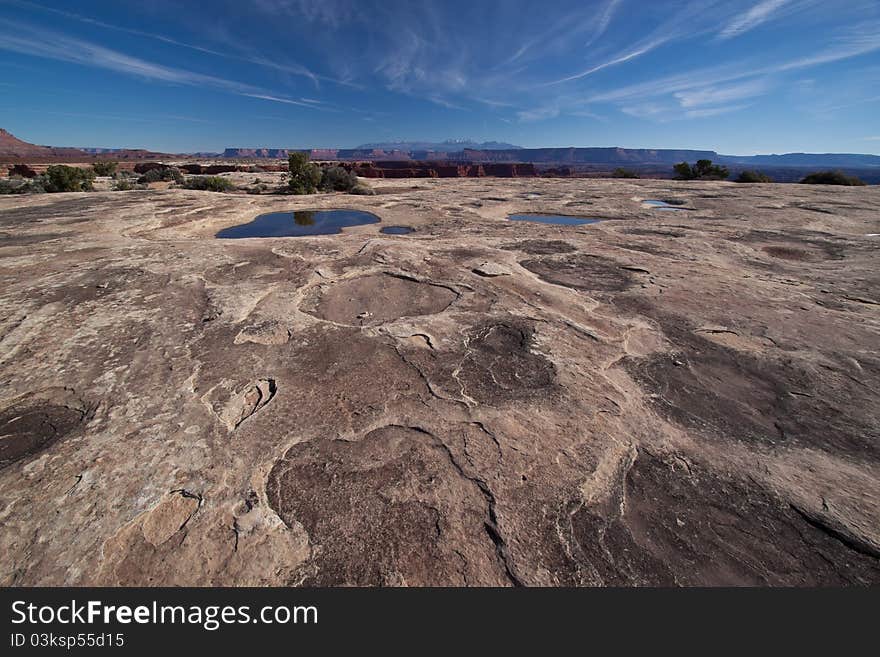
pixel 337 179
pixel 104 168
pixel 61 178
pixel 702 170
pixel 162 174
pixel 14 186
pixel 832 178
pixel 620 172
pixel 303 176
pixel 209 184
pixel 363 190
pixel 753 177
pixel 126 185
pixel 38 185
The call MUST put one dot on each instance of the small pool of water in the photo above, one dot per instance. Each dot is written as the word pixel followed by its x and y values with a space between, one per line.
pixel 657 204
pixel 565 220
pixel 396 230
pixel 299 223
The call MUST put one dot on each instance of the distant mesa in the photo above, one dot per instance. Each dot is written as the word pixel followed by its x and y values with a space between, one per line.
pixel 465 158
pixel 13 148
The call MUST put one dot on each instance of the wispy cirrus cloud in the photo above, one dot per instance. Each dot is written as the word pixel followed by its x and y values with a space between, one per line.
pixel 720 94
pixel 620 59
pixel 280 66
pixel 707 112
pixel 754 17
pixel 34 41
pixel 538 114
pixel 858 40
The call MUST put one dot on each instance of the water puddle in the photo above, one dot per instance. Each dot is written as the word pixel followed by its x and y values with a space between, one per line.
pixel 668 205
pixel 565 220
pixel 396 230
pixel 299 223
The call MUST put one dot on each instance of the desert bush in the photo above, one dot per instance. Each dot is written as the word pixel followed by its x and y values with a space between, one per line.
pixel 620 172
pixel 104 168
pixel 337 179
pixel 126 185
pixel 257 189
pixel 702 170
pixel 61 178
pixel 748 176
pixel 832 178
pixel 209 184
pixel 363 190
pixel 304 176
pixel 13 186
pixel 38 185
pixel 164 174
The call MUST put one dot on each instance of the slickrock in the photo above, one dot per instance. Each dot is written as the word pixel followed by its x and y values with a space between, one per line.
pixel 659 398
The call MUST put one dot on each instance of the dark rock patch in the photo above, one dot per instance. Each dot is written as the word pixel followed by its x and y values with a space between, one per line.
pixel 789 253
pixel 733 395
pixel 25 239
pixel 652 232
pixel 499 364
pixel 671 522
pixel 392 508
pixel 581 272
pixel 819 245
pixel 27 429
pixel 540 247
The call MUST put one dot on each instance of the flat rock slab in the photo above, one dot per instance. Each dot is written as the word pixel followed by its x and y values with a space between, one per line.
pixel 377 299
pixel 662 398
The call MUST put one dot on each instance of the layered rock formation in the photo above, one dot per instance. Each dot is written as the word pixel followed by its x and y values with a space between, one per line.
pixel 416 169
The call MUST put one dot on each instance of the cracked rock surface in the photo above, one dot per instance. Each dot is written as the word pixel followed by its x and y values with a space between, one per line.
pixel 660 398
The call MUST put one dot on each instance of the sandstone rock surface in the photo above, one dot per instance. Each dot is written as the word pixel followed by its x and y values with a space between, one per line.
pixel 660 398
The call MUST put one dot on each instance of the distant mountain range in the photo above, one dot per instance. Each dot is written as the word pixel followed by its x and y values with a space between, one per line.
pixel 642 156
pixel 460 150
pixel 448 146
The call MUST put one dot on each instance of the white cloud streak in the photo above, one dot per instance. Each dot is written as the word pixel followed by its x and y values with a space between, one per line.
pixel 28 40
pixel 754 17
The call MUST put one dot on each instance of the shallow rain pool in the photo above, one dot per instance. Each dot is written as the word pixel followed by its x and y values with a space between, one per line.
pixel 396 230
pixel 656 204
pixel 299 223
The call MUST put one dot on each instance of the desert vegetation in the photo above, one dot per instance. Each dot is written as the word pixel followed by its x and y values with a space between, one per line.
pixel 105 168
pixel 209 184
pixel 58 178
pixel 305 177
pixel 702 170
pixel 61 178
pixel 337 179
pixel 621 172
pixel 749 176
pixel 832 178
pixel 162 174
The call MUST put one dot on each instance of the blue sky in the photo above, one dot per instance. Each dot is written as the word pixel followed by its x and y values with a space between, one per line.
pixel 736 76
